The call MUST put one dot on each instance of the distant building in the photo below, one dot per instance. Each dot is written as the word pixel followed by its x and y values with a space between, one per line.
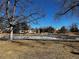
pixel 27 31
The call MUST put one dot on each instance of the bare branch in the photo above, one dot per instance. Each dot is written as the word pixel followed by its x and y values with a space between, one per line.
pixel 70 7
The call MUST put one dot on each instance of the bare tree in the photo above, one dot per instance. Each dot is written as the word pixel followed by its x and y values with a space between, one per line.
pixel 74 28
pixel 14 11
pixel 63 30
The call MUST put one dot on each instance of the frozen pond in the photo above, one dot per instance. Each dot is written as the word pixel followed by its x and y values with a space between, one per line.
pixel 40 37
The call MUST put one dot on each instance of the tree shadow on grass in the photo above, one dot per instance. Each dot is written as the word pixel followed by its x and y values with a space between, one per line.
pixel 3 39
pixel 74 49
pixel 30 45
pixel 22 43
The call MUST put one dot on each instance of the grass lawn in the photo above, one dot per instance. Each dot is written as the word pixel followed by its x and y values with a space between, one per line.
pixel 28 49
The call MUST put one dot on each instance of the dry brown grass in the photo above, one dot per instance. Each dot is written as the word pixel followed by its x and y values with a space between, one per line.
pixel 28 49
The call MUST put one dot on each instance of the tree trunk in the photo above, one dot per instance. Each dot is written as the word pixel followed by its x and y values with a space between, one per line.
pixel 11 33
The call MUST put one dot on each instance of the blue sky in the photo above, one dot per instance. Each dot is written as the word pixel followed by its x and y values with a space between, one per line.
pixel 50 7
